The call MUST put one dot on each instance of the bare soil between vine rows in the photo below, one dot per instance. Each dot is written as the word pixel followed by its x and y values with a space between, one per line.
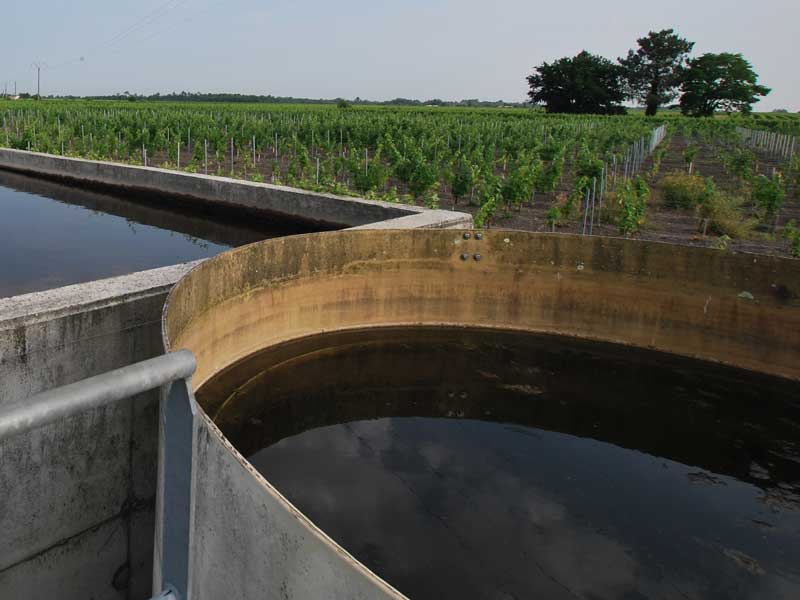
pixel 663 223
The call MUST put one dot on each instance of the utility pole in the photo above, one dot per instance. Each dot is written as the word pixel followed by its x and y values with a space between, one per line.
pixel 38 65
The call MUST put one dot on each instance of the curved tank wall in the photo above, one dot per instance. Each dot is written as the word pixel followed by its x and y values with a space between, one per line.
pixel 738 309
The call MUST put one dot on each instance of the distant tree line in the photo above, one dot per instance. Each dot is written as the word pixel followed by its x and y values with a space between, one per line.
pixel 653 75
pixel 270 99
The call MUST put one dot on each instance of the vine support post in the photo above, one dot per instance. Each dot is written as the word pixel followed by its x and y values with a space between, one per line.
pixel 585 210
pixel 602 193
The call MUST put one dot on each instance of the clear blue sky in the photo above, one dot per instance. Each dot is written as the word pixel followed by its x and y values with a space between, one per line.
pixel 378 50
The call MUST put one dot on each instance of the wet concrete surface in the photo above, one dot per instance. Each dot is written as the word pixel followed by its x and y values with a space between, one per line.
pixel 463 463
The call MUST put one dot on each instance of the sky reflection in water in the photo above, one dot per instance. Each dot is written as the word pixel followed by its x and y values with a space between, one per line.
pixel 565 470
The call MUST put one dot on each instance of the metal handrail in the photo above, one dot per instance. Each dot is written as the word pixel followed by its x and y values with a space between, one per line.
pixel 177 410
pixel 51 406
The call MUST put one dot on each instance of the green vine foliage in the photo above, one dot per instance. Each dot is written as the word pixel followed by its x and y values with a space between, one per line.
pixel 690 153
pixel 553 217
pixel 418 150
pixel 491 194
pixel 463 179
pixel 632 199
pixel 768 195
pixel 792 234
pixel 795 170
pixel 589 165
pixel 518 185
pixel 369 174
pixel 575 200
pixel 739 162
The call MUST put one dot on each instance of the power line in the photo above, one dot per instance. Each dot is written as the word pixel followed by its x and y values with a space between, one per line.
pixel 139 26
pixel 143 22
pixel 188 18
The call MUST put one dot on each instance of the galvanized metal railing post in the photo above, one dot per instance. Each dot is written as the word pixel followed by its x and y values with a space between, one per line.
pixel 177 435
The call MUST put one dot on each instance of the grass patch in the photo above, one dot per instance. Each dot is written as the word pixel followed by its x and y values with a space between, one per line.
pixel 722 214
pixel 682 190
pixel 792 234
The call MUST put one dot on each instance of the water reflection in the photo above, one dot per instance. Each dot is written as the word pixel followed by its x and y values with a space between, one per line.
pixel 564 470
pixel 53 234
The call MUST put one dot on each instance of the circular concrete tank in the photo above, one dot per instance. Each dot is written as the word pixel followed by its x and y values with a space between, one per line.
pixel 734 309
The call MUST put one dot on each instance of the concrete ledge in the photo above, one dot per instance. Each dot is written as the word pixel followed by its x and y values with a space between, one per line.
pixel 221 192
pixel 70 299
pixel 56 337
pixel 431 219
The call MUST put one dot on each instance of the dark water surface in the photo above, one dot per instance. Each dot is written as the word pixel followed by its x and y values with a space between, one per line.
pixel 480 464
pixel 53 235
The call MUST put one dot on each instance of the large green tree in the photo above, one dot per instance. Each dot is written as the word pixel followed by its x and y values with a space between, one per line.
pixel 653 71
pixel 583 84
pixel 720 82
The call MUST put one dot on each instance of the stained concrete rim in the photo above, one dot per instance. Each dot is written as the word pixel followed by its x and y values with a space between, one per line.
pixel 208 263
pixel 268 488
pixel 793 263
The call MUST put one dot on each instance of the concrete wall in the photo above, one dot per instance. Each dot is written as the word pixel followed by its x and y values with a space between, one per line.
pixel 232 194
pixel 77 498
pixel 737 309
pixel 247 540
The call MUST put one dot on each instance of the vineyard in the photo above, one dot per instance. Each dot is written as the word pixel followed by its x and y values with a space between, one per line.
pixel 728 182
